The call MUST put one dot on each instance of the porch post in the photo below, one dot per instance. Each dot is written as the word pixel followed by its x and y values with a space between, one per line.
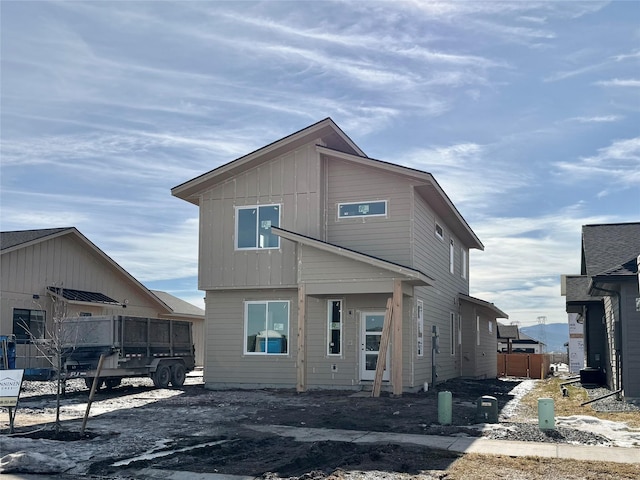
pixel 396 362
pixel 301 358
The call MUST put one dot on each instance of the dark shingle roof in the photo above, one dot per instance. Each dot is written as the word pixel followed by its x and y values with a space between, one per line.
pixel 11 239
pixel 508 331
pixel 608 246
pixel 578 289
pixel 629 267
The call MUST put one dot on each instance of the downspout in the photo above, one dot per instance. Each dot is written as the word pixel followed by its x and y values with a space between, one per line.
pixel 617 339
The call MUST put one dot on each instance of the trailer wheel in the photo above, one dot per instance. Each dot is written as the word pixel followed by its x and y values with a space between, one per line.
pixel 162 376
pixel 178 375
pixel 112 382
pixel 88 381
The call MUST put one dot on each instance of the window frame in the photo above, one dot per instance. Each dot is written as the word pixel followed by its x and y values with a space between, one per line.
pixel 420 328
pixel 257 246
pixel 330 328
pixel 463 262
pixel 477 329
pixel 27 331
pixel 266 327
pixel 364 215
pixel 452 336
pixel 452 250
pixel 438 231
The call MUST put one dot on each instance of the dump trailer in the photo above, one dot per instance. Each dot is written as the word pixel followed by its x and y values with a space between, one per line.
pixel 161 349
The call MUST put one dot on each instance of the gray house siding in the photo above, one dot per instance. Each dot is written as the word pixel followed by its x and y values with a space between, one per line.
pixel 630 333
pixel 387 237
pixel 291 180
pixel 226 363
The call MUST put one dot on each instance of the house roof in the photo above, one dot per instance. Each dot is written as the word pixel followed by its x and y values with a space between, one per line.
pixel 82 296
pixel 178 305
pixel 8 240
pixel 577 289
pixel 508 331
pixel 608 246
pixel 418 277
pixel 484 304
pixel 325 129
pixel 335 143
pixel 15 240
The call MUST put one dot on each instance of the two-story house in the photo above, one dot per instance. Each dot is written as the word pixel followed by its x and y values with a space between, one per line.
pixel 301 245
pixel 605 299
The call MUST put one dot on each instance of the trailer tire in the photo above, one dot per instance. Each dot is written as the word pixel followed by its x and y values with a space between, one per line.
pixel 162 376
pixel 88 381
pixel 112 383
pixel 178 375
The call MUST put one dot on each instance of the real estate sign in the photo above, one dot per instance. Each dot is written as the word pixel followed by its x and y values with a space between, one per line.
pixel 10 382
pixel 576 343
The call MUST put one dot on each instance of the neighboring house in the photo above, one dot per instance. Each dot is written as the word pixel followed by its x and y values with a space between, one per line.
pixel 512 340
pixel 302 243
pixel 39 266
pixel 605 299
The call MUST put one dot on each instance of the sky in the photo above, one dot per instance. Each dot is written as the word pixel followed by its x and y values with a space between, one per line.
pixel 527 114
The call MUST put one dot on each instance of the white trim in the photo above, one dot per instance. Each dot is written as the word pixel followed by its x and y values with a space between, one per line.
pixel 237 208
pixel 420 328
pixel 329 329
pixel 439 234
pixel 452 334
pixel 452 250
pixel 246 321
pixel 463 262
pixel 364 215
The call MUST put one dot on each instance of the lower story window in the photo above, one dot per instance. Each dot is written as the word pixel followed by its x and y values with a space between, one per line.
pixel 266 326
pixel 28 324
pixel 334 320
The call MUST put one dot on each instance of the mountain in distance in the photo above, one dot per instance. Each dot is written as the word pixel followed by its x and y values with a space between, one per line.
pixel 554 335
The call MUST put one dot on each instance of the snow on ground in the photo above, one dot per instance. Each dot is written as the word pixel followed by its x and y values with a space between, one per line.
pixel 519 391
pixel 619 433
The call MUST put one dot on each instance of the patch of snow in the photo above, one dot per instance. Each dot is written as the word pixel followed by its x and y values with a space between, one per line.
pixel 33 462
pixel 519 391
pixel 618 432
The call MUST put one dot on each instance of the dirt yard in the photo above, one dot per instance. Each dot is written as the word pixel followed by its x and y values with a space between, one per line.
pixel 136 427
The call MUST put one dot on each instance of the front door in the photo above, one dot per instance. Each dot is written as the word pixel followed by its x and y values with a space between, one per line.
pixel 370 334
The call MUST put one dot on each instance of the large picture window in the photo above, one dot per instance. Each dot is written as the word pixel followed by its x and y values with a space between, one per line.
pixel 28 324
pixel 266 326
pixel 253 226
pixel 334 320
pixel 362 209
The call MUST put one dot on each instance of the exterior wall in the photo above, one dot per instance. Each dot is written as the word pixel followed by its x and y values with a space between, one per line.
pixel 227 365
pixel 479 359
pixel 291 180
pixel 431 256
pixel 596 338
pixel 630 333
pixel 387 237
pixel 612 325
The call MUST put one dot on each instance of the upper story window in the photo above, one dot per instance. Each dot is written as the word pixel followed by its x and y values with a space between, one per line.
pixel 463 262
pixel 451 255
pixel 253 226
pixel 439 232
pixel 28 324
pixel 362 209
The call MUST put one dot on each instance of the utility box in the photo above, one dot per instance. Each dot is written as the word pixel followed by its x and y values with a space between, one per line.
pixel 487 409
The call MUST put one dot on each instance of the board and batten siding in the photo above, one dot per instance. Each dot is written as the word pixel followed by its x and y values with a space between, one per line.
pixel 383 237
pixel 292 181
pixel 66 262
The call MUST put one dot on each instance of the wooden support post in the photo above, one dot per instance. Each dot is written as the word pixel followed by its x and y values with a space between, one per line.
pixel 301 359
pixel 396 349
pixel 382 352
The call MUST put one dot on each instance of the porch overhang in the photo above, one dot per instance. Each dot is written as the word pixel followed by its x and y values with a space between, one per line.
pixel 82 297
pixel 487 306
pixel 409 276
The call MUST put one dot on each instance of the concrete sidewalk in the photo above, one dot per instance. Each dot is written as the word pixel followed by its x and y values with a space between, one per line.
pixel 461 444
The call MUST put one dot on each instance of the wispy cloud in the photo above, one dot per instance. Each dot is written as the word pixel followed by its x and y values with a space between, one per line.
pixel 619 82
pixel 597 119
pixel 619 162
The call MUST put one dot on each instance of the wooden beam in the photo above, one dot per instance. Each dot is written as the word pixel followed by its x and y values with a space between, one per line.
pixel 382 352
pixel 301 358
pixel 396 349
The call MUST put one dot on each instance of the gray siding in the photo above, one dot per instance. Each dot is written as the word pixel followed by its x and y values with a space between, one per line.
pixel 291 180
pixel 387 237
pixel 630 319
